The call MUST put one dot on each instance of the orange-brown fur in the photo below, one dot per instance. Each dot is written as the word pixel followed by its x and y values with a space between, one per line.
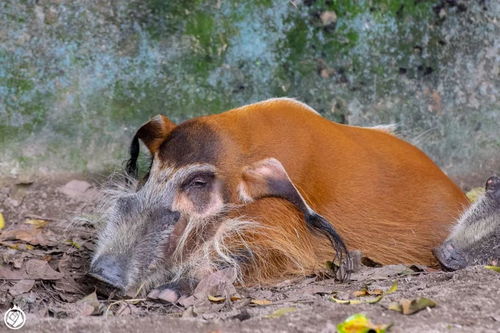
pixel 281 250
pixel 384 196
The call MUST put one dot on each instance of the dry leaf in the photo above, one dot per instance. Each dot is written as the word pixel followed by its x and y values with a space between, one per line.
pixel 280 312
pixel 89 305
pixel 16 246
pixel 360 293
pixel 8 273
pixel 475 194
pixel 374 300
pixel 31 235
pixel 346 301
pixel 41 270
pixel 392 289
pixel 38 223
pixel 359 323
pixel 407 307
pixel 375 292
pixel 21 287
pixel 216 299
pixel 260 302
pixel 217 283
pixel 366 292
pixel 73 243
pixel 2 221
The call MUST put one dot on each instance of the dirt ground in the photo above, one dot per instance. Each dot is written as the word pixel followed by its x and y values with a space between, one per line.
pixel 45 252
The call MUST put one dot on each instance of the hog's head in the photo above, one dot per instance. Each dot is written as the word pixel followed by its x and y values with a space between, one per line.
pixel 475 238
pixel 160 229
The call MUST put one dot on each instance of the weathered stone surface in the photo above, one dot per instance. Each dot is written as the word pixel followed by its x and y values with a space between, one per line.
pixel 76 78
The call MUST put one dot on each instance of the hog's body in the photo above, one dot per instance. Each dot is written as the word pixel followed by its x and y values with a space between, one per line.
pixel 475 239
pixel 382 195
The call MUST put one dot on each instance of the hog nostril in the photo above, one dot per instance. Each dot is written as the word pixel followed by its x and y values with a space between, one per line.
pixel 493 187
pixel 449 257
pixel 110 269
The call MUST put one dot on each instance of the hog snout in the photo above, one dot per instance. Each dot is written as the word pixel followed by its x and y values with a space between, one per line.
pixel 493 188
pixel 449 257
pixel 110 269
pixel 132 245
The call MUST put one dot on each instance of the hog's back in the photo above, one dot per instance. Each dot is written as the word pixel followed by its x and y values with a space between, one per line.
pixel 384 196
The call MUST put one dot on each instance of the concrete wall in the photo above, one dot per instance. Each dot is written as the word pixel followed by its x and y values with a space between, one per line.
pixel 78 77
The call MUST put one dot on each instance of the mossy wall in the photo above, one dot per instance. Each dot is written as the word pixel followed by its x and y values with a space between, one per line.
pixel 78 77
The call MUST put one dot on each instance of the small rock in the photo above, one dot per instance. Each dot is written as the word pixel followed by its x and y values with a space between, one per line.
pixel 76 189
pixel 328 17
pixel 12 202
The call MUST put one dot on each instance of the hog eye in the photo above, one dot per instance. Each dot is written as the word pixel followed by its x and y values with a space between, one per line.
pixel 199 181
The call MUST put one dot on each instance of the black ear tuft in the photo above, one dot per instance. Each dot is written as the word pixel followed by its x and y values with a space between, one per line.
pixel 131 167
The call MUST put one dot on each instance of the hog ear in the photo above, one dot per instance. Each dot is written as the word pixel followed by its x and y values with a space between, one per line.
pixel 268 178
pixel 152 135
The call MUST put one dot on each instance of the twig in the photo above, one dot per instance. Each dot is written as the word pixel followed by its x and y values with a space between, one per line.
pixel 38 217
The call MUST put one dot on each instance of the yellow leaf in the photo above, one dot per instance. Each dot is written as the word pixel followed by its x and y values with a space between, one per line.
pixel 216 299
pixel 395 306
pixel 475 193
pixel 280 312
pixel 346 301
pixel 235 298
pixel 375 300
pixel 359 323
pixel 493 268
pixel 260 302
pixel 393 288
pixel 407 306
pixel 73 243
pixel 2 222
pixel 341 301
pixel 37 222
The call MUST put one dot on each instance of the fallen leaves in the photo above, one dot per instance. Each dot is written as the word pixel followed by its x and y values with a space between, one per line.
pixel 220 299
pixel 216 299
pixel 280 312
pixel 366 292
pixel 21 287
pixel 34 269
pixel 89 305
pixel 32 235
pixel 359 323
pixel 37 223
pixel 475 194
pixel 2 221
pixel 78 190
pixel 407 306
pixel 260 302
